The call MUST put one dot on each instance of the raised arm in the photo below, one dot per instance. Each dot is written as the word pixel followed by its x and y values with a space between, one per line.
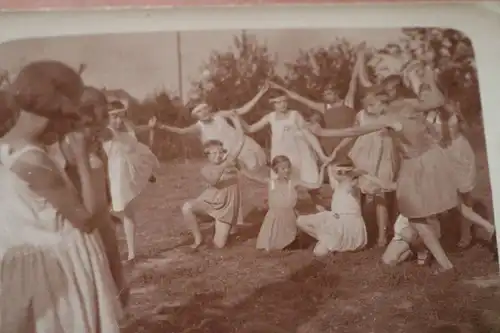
pixel 351 92
pixel 255 127
pixel 316 106
pixel 233 155
pixel 249 105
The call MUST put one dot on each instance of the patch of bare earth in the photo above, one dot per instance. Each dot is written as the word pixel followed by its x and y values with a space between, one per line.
pixel 239 289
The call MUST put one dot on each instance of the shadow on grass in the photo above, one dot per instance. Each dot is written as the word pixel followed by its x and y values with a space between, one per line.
pixel 275 308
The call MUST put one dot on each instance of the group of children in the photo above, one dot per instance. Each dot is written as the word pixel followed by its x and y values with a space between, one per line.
pixel 68 163
pixel 395 148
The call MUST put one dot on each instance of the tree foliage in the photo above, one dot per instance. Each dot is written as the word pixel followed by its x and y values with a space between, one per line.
pixel 231 78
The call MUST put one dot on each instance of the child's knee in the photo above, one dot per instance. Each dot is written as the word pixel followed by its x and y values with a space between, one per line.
pixel 187 207
pixel 320 250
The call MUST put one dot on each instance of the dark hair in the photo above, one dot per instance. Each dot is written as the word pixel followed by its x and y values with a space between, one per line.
pixel 48 88
pixel 345 162
pixel 278 160
pixel 91 99
pixel 213 143
pixel 9 113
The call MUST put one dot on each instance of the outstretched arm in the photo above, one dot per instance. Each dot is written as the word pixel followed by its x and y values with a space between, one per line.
pixel 192 129
pixel 255 127
pixel 248 106
pixel 353 131
pixel 316 106
pixel 351 93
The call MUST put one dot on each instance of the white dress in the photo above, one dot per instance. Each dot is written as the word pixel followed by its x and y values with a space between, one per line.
pixel 342 228
pixel 130 165
pixel 53 277
pixel 252 155
pixel 288 139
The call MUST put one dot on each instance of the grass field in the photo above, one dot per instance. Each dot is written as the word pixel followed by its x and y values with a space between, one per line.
pixel 239 289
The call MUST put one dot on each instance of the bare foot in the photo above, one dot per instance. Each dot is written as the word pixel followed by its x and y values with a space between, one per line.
pixel 464 242
pixel 443 271
pixel 320 208
pixel 197 243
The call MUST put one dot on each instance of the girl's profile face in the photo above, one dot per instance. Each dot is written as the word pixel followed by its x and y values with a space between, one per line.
pixel 283 169
pixel 373 105
pixel 215 154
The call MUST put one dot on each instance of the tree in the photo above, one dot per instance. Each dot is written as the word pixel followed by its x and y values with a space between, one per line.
pixel 452 54
pixel 169 110
pixel 232 78
pixel 315 70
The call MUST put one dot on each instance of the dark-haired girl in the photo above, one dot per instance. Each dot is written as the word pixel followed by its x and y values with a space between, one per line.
pixel 279 228
pixel 221 200
pixel 57 277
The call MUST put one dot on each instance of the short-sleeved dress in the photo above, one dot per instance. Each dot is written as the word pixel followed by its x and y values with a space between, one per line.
pixel 223 200
pixel 288 139
pixel 462 155
pixel 252 156
pixel 279 228
pixel 342 228
pixel 130 166
pixel 426 184
pixel 54 277
pixel 375 153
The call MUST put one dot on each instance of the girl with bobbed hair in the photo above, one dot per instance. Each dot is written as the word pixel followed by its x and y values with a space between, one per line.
pixel 54 273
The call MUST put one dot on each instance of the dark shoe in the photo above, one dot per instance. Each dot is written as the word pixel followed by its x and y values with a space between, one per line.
pixel 152 179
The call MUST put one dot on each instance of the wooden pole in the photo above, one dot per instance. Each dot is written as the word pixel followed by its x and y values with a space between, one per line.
pixel 179 62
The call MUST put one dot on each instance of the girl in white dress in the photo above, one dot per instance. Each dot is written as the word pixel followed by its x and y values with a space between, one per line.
pixel 213 125
pixel 130 167
pixel 342 228
pixel 55 276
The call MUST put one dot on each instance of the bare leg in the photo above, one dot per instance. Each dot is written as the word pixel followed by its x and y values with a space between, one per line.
pixel 476 219
pixel 129 226
pixel 221 235
pixel 192 223
pixel 396 252
pixel 382 219
pixel 465 233
pixel 307 227
pixel 320 250
pixel 430 238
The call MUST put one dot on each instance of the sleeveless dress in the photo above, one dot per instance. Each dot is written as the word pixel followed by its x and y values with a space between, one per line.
pixel 461 154
pixel 223 200
pixel 426 184
pixel 375 152
pixel 252 156
pixel 342 228
pixel 336 117
pixel 130 166
pixel 279 228
pixel 54 278
pixel 288 139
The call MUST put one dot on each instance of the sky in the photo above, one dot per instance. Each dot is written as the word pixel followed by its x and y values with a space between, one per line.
pixel 146 63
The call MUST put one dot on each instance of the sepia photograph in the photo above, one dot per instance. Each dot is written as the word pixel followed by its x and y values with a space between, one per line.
pixel 250 181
